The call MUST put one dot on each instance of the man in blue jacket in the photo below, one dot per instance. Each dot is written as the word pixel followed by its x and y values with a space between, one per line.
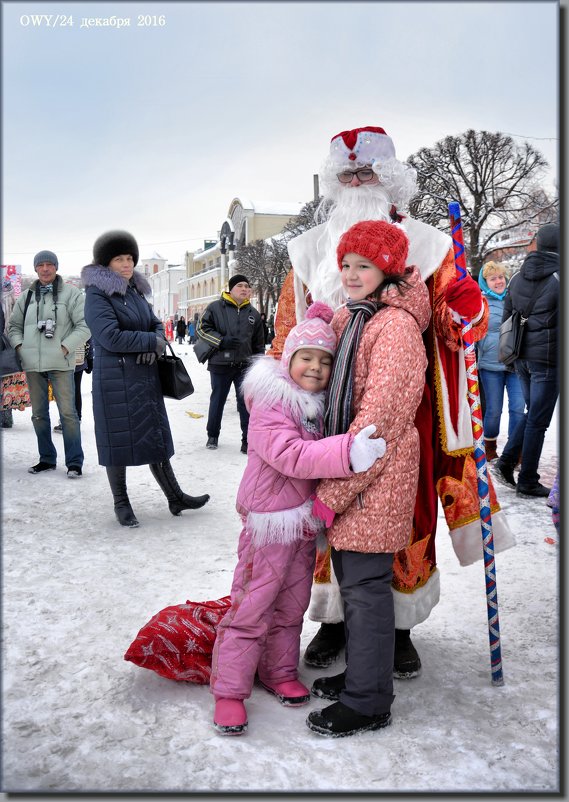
pixel 537 366
pixel 235 328
pixel 46 326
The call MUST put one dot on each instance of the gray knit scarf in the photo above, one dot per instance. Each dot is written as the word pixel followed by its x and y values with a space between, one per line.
pixel 338 415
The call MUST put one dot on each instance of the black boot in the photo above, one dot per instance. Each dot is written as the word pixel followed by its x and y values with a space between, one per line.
pixel 326 645
pixel 407 663
pixel 177 499
pixel 504 472
pixel 339 720
pixel 329 687
pixel 117 480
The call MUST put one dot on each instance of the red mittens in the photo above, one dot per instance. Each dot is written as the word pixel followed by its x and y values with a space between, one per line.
pixel 464 298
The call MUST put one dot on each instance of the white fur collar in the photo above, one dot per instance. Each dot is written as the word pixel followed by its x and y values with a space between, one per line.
pixel 266 383
pixel 427 248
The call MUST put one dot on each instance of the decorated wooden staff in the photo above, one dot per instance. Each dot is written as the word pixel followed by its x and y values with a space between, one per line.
pixel 479 457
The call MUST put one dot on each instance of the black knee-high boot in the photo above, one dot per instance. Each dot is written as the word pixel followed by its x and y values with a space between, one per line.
pixel 117 480
pixel 177 499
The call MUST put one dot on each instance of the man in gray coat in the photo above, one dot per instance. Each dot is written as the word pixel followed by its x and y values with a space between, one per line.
pixel 46 326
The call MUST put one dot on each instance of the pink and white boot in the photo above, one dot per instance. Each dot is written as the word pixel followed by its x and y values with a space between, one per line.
pixel 230 717
pixel 290 694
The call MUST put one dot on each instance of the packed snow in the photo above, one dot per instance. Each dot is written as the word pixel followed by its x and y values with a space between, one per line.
pixel 77 587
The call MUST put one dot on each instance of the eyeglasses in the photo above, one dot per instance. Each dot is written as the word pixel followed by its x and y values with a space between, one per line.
pixel 364 175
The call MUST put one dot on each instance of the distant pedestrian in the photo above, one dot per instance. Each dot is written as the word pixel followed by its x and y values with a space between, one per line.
pixel 235 328
pixel 260 634
pixel 495 377
pixel 46 326
pixel 191 332
pixel 265 328
pixel 181 330
pixel 537 367
pixel 131 424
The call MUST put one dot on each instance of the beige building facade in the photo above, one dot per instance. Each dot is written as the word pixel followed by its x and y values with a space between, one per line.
pixel 208 270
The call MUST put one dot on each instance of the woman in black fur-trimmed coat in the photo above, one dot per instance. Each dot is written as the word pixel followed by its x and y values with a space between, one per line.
pixel 131 424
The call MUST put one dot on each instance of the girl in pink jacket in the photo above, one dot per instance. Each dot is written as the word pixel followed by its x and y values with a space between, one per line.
pixel 260 634
pixel 378 378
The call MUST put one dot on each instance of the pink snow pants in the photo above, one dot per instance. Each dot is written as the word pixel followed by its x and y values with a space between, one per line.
pixel 260 633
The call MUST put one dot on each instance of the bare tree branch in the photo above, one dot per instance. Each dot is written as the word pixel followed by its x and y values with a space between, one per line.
pixel 495 181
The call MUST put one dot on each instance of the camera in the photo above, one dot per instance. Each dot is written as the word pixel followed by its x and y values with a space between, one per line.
pixel 47 326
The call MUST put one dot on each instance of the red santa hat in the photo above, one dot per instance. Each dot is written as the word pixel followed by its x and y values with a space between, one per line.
pixel 384 244
pixel 359 146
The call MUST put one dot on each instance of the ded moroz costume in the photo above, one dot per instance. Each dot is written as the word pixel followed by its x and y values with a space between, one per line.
pixel 447 470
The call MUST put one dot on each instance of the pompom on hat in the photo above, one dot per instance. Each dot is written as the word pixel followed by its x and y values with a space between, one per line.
pixel 314 331
pixel 384 244
pixel 114 243
pixel 368 145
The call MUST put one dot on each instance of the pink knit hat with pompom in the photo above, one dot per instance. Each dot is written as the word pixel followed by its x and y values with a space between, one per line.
pixel 314 331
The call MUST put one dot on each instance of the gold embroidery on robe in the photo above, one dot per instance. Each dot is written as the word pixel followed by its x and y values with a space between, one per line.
pixel 410 568
pixel 459 497
pixel 323 566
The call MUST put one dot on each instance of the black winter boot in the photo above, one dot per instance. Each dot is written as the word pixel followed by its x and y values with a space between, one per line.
pixel 406 663
pixel 325 646
pixel 504 472
pixel 339 720
pixel 116 475
pixel 329 687
pixel 177 499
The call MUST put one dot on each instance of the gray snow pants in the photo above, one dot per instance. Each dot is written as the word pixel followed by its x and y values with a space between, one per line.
pixel 369 621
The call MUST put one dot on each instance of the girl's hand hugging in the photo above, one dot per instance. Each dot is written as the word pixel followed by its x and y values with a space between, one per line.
pixel 363 451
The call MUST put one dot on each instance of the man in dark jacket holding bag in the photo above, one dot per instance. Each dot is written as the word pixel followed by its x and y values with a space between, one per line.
pixel 235 328
pixel 537 366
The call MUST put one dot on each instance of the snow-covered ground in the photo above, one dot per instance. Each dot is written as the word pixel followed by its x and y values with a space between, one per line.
pixel 77 588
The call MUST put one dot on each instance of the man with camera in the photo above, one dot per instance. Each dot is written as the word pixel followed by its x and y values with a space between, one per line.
pixel 46 326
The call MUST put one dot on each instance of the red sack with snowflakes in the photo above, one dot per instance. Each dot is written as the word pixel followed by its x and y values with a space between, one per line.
pixel 178 641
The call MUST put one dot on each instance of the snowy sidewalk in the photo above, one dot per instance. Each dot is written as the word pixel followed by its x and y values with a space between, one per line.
pixel 77 588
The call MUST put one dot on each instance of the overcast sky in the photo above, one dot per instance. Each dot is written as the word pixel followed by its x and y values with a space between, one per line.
pixel 157 128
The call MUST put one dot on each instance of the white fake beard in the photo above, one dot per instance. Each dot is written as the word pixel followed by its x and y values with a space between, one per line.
pixel 350 205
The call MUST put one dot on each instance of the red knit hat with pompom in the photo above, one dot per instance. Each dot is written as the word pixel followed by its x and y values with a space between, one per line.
pixel 314 331
pixel 384 244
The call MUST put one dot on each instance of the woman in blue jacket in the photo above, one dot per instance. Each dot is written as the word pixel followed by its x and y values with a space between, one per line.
pixel 495 377
pixel 131 425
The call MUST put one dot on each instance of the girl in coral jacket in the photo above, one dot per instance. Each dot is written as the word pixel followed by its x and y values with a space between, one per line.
pixel 377 379
pixel 260 634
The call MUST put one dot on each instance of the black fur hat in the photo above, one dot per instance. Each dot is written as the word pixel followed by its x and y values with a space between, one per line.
pixel 114 243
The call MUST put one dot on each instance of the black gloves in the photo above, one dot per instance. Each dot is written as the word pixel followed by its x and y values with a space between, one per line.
pixel 230 342
pixel 148 358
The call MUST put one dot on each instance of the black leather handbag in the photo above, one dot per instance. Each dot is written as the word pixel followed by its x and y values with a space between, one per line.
pixel 174 378
pixel 512 330
pixel 511 336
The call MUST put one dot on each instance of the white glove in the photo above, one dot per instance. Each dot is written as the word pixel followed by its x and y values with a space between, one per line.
pixel 363 451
